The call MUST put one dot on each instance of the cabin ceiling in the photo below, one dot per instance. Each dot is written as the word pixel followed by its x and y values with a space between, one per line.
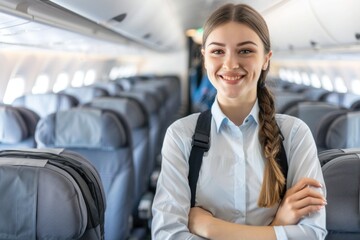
pixel 161 24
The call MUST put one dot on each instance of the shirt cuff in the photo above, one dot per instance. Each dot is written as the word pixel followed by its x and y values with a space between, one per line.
pixel 280 233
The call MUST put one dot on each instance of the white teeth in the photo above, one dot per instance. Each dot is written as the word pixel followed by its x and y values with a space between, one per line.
pixel 231 78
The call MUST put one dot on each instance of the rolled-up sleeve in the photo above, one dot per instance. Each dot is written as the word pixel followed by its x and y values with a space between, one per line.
pixel 172 199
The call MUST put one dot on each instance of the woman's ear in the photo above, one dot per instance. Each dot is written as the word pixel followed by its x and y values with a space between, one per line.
pixel 267 60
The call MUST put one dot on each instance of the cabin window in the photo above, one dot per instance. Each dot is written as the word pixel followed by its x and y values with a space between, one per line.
pixel 283 74
pixel 89 77
pixel 315 81
pixel 62 81
pixel 78 79
pixel 355 86
pixel 305 79
pixel 114 73
pixel 14 89
pixel 41 84
pixel 340 85
pixel 326 83
pixel 297 77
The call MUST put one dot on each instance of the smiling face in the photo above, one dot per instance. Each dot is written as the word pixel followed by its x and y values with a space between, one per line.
pixel 234 57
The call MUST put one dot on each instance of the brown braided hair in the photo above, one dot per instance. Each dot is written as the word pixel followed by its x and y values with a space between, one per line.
pixel 269 134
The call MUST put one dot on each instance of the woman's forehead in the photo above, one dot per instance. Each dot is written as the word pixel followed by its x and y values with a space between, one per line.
pixel 232 33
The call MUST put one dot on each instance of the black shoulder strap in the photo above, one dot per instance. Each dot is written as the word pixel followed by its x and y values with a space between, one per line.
pixel 282 161
pixel 201 144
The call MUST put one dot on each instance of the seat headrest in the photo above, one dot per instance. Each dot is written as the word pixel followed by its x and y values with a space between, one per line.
pixel 130 109
pixel 82 128
pixel 44 104
pixel 85 94
pixel 344 131
pixel 16 124
pixel 146 98
pixel 342 179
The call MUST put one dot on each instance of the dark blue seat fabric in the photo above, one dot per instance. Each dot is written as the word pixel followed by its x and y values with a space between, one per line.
pixel 44 104
pixel 17 127
pixel 105 140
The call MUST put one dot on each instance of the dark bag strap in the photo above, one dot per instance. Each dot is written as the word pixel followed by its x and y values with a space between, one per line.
pixel 201 144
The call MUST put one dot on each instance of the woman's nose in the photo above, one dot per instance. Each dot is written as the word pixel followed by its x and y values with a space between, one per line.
pixel 231 62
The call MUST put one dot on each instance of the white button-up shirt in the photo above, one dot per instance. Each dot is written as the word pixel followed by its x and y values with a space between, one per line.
pixel 231 176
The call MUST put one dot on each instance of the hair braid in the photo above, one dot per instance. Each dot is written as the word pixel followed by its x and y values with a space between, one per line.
pixel 269 136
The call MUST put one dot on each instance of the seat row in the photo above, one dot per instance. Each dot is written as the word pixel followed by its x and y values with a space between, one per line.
pixel 120 135
pixel 333 118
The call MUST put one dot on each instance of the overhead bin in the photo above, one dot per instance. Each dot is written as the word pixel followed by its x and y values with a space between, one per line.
pixel 294 26
pixel 341 19
pixel 141 21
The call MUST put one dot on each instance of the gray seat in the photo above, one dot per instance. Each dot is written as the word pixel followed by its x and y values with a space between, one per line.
pixel 311 113
pixel 44 104
pixel 135 115
pixel 342 99
pixel 85 94
pixel 284 98
pixel 104 139
pixel 341 170
pixel 112 88
pixel 152 109
pixel 340 130
pixel 17 127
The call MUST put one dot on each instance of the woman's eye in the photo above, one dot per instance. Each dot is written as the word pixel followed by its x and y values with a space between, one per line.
pixel 217 51
pixel 246 51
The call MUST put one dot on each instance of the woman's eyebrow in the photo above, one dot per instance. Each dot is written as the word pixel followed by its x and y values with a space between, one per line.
pixel 239 44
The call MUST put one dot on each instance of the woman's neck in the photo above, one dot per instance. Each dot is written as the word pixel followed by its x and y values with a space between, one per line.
pixel 236 111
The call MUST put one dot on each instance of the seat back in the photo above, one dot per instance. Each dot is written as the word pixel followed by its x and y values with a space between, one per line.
pixel 44 104
pixel 311 113
pixel 341 170
pixel 104 139
pixel 50 194
pixel 148 101
pixel 17 127
pixel 344 131
pixel 112 88
pixel 85 94
pixel 136 117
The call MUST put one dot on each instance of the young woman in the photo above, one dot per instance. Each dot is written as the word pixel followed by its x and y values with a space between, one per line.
pixel 238 193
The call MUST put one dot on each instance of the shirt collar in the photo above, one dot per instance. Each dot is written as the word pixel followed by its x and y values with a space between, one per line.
pixel 220 118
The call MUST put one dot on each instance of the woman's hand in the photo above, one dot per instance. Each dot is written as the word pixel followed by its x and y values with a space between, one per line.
pixel 199 221
pixel 299 201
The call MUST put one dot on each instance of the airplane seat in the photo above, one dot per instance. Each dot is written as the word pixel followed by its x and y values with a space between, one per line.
pixel 314 94
pixel 17 127
pixel 46 103
pixel 134 115
pixel 283 98
pixel 152 109
pixel 85 94
pixel 125 83
pixel 339 130
pixel 104 139
pixel 342 99
pixel 160 94
pixel 111 87
pixel 342 178
pixel 311 113
pixel 355 105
